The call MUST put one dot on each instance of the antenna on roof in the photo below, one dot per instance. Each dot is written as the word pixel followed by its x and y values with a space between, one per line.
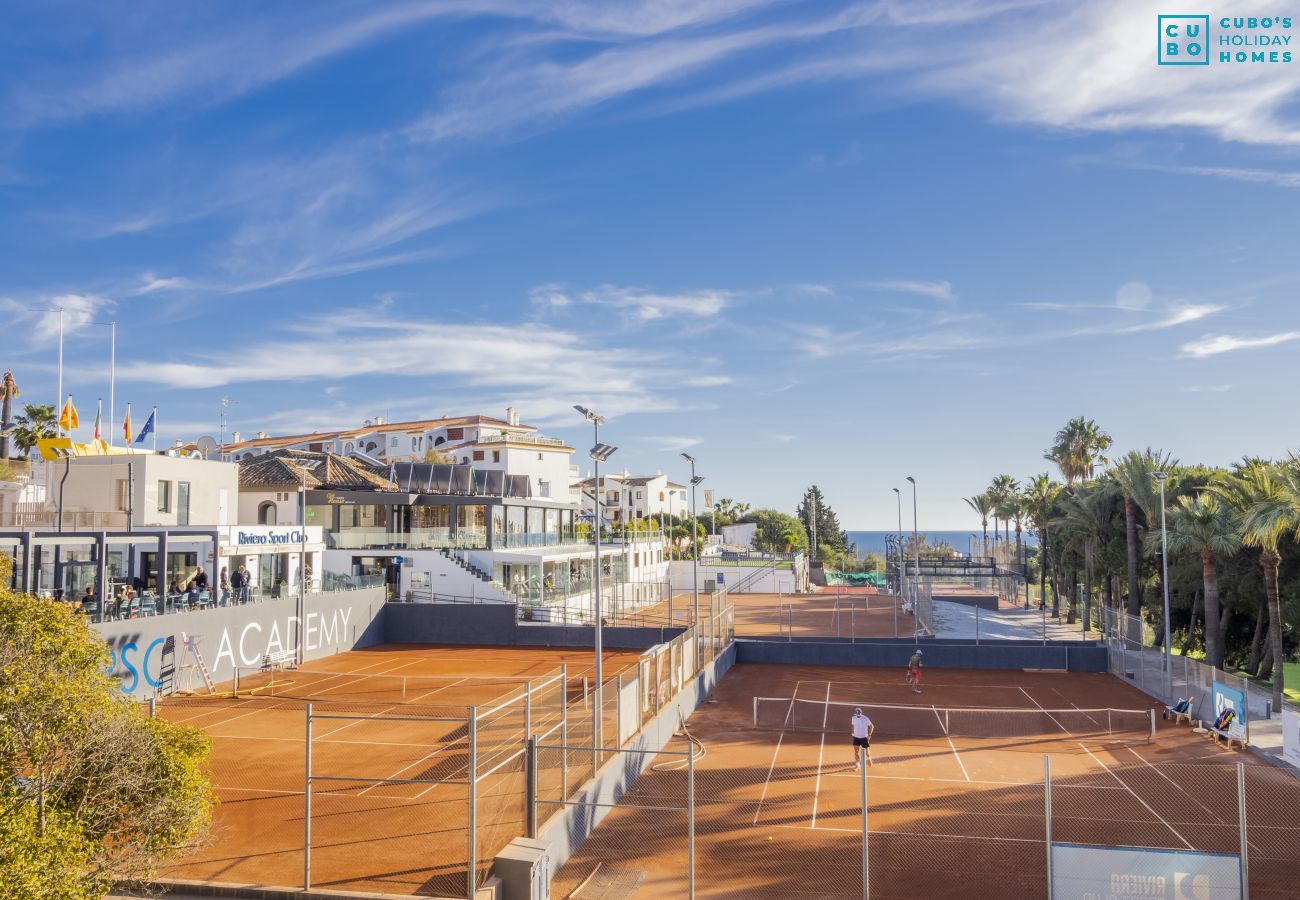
pixel 221 417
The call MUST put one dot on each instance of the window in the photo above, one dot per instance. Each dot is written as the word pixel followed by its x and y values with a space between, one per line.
pixel 478 455
pixel 455 434
pixel 266 513
pixel 393 442
pixel 661 496
pixel 182 503
pixel 164 496
pixel 638 495
pixel 539 457
pixel 123 494
pixel 439 440
pixel 496 456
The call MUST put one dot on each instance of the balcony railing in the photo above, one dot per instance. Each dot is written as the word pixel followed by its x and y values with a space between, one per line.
pixel 417 539
pixel 73 520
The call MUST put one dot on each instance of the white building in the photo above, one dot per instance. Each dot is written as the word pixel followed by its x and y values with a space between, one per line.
pixel 487 443
pixel 625 496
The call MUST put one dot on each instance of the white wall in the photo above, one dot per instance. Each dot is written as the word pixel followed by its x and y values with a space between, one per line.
pixel 92 486
pixel 739 535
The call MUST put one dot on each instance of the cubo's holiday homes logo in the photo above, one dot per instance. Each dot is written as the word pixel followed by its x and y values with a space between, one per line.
pixel 1187 41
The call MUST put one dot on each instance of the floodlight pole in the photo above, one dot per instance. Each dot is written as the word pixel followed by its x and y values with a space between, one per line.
pixel 916 543
pixel 597 454
pixel 695 548
pixel 1164 565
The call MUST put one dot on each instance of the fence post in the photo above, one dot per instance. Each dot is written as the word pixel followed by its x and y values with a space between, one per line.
pixel 530 781
pixel 564 732
pixel 977 625
pixel 528 708
pixel 866 841
pixel 471 871
pixel 1047 816
pixel 306 807
pixel 618 709
pixel 153 706
pixel 1241 816
pixel 690 818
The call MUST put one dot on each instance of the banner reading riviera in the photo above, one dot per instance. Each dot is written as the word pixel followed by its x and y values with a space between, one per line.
pixel 1085 872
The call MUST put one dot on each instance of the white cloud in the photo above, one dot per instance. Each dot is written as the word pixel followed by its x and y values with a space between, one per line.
pixel 151 283
pixel 673 444
pixel 709 381
pixel 1213 345
pixel 1207 388
pixel 641 305
pixel 781 438
pixel 41 315
pixel 939 290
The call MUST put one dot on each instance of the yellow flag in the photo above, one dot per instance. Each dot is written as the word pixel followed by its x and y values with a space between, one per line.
pixel 68 418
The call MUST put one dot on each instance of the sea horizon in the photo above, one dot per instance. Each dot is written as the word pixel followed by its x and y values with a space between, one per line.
pixel 874 541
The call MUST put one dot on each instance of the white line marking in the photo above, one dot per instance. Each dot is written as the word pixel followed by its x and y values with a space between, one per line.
pixel 768 780
pixel 1136 797
pixel 959 762
pixel 926 834
pixel 1049 715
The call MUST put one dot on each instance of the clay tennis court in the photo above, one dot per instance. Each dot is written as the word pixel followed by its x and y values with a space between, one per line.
pixel 956 814
pixel 389 746
pixel 846 612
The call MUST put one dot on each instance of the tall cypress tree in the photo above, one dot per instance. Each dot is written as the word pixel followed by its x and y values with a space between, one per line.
pixel 829 533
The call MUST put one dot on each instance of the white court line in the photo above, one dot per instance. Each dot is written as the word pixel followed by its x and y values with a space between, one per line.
pixel 875 777
pixel 1186 792
pixel 922 834
pixel 1135 796
pixel 772 767
pixel 817 789
pixel 959 762
pixel 1001 687
pixel 1049 715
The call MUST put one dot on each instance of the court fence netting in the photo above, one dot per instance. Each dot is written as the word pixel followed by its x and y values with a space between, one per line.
pixel 1135 659
pixel 690 827
pixel 894 720
pixel 374 787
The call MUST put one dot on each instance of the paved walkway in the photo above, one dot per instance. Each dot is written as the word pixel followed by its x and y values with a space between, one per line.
pixel 957 620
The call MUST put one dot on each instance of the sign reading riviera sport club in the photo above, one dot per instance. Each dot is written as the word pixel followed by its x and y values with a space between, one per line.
pixel 295 536
pixel 1085 872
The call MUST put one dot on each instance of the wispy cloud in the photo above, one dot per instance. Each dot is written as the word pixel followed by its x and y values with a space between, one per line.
pixel 641 305
pixel 709 380
pixel 671 443
pixel 42 316
pixel 939 290
pixel 1213 345
pixel 1206 388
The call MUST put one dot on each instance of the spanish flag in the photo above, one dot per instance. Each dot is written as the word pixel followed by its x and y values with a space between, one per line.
pixel 68 418
pixel 126 424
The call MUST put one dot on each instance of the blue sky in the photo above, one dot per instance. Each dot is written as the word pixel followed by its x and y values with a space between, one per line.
pixel 828 242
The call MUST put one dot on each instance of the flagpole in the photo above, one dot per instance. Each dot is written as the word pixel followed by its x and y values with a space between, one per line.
pixel 112 377
pixel 154 418
pixel 58 404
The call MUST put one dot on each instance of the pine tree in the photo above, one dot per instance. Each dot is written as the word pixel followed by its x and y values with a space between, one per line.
pixel 829 533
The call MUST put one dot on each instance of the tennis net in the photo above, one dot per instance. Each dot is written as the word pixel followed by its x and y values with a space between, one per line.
pixel 832 717
pixel 305 684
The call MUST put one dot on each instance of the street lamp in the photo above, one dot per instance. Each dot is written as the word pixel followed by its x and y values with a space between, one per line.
pixel 916 543
pixel 599 454
pixel 1164 565
pixel 902 563
pixel 695 543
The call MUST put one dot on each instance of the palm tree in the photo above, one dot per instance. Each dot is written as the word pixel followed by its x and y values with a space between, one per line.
pixel 983 505
pixel 1078 450
pixel 1133 474
pixel 1084 524
pixel 36 423
pixel 999 491
pixel 1266 499
pixel 8 391
pixel 1203 524
pixel 1040 497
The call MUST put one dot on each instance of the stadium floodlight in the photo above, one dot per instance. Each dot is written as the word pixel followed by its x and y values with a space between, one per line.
pixel 602 452
pixel 589 415
pixel 696 479
pixel 690 459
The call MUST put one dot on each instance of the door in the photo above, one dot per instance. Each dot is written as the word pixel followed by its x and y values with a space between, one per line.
pixel 182 503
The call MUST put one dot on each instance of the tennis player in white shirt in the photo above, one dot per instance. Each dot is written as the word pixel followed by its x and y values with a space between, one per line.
pixel 862 729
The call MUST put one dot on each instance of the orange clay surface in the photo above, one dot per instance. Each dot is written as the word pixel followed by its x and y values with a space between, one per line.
pixel 778 813
pixel 401 838
pixel 859 613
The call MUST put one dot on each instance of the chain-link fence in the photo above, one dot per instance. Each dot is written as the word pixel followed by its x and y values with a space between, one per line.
pixel 689 826
pixel 1135 658
pixel 385 791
